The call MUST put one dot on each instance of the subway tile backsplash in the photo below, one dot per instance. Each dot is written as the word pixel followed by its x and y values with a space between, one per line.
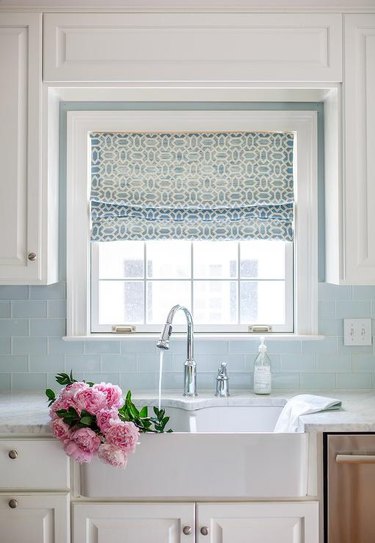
pixel 32 323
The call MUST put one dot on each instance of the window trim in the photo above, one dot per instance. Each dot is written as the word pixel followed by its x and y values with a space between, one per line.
pixel 81 123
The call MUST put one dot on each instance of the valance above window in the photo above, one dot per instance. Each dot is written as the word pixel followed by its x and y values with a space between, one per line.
pixel 192 186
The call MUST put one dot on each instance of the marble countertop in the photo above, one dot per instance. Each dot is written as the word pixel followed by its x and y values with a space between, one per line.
pixel 27 413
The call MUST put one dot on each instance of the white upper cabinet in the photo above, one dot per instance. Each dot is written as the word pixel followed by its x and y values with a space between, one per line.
pixel 357 257
pixel 192 47
pixel 23 196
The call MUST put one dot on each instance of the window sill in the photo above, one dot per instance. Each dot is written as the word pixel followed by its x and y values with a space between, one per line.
pixel 198 336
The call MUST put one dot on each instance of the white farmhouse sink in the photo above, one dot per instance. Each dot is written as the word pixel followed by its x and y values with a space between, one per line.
pixel 217 451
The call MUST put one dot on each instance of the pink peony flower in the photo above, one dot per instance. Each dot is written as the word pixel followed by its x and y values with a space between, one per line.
pixel 123 435
pixel 73 450
pixel 60 403
pixel 82 444
pixel 60 429
pixel 110 454
pixel 105 418
pixel 113 394
pixel 90 400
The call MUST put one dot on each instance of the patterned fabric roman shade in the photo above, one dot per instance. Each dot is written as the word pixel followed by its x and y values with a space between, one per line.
pixel 197 186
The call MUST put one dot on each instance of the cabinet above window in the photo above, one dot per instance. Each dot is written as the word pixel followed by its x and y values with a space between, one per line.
pixel 202 47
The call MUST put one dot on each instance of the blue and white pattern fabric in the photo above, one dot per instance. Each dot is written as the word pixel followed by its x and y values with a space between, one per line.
pixel 197 186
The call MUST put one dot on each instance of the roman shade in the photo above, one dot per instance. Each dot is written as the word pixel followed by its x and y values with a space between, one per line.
pixel 192 186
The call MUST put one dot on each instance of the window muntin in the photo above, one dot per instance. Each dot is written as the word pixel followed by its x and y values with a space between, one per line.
pixel 227 285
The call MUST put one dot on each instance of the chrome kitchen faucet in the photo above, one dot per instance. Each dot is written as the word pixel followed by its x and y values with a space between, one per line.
pixel 190 367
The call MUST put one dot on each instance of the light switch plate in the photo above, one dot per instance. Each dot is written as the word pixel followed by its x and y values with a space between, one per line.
pixel 357 332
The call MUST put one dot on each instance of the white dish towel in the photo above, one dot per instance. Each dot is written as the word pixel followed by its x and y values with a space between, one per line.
pixel 303 404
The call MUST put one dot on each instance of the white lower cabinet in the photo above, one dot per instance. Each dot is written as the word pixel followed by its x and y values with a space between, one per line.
pixel 286 522
pixel 34 518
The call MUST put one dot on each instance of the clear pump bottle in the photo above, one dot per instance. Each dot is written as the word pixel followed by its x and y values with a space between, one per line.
pixel 262 370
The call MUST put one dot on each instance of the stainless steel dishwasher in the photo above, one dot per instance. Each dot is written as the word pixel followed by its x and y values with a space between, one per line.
pixel 350 488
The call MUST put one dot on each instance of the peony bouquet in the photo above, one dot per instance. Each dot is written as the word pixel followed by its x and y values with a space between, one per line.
pixel 94 419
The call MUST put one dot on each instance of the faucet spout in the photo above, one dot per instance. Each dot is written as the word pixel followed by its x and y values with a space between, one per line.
pixel 190 367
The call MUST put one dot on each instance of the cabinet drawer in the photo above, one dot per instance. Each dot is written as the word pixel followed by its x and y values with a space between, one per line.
pixel 192 47
pixel 33 465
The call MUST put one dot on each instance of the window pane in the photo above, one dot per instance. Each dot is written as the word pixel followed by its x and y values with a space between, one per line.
pixel 121 302
pixel 262 302
pixel 120 259
pixel 168 259
pixel 215 302
pixel 215 259
pixel 162 295
pixel 262 259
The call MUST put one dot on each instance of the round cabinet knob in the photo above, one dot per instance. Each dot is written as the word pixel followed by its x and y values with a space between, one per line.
pixel 13 454
pixel 13 503
pixel 204 530
pixel 32 257
pixel 187 530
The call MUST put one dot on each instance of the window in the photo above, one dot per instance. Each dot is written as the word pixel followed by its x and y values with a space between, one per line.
pixel 228 285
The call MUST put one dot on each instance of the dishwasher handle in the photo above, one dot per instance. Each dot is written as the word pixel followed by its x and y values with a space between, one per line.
pixel 355 458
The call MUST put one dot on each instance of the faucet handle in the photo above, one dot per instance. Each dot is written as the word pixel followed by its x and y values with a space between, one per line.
pixel 222 381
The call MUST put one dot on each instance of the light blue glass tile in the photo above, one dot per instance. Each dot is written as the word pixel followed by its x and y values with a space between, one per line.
pixel 51 363
pixel 119 362
pixel 248 346
pixel 5 382
pixel 14 327
pixel 13 363
pixel 82 363
pixel 150 362
pixel 29 345
pixel 96 347
pixel 327 345
pixel 330 327
pixel 94 377
pixel 211 362
pixel 13 293
pixel 29 381
pixel 56 345
pixel 29 308
pixel 353 349
pixel 353 310
pixel 327 291
pixel 298 362
pixel 284 381
pixel 283 346
pixel 349 381
pixel 5 345
pixel 48 327
pixel 363 362
pixel 326 309
pixel 139 346
pixel 139 382
pixel 5 310
pixel 238 381
pixel 363 293
pixel 317 381
pixel 175 381
pixel 211 347
pixel 56 309
pixel 333 363
pixel 178 347
pixel 50 292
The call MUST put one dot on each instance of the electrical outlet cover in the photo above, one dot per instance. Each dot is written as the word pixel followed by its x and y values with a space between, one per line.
pixel 357 332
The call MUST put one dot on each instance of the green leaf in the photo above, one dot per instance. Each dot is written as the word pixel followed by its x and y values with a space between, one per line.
pixel 143 412
pixel 65 379
pixel 51 396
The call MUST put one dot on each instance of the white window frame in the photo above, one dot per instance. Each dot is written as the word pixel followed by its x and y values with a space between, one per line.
pixel 81 123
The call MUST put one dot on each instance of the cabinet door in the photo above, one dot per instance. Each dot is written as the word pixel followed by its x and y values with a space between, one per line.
pixel 359 146
pixel 257 522
pixel 23 191
pixel 133 523
pixel 34 518
pixel 192 47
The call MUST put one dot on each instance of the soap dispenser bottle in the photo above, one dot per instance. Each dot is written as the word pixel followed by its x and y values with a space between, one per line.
pixel 262 370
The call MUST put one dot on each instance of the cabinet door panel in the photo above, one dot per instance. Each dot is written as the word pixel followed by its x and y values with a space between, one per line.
pixel 359 145
pixel 132 523
pixel 36 518
pixel 258 522
pixel 20 147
